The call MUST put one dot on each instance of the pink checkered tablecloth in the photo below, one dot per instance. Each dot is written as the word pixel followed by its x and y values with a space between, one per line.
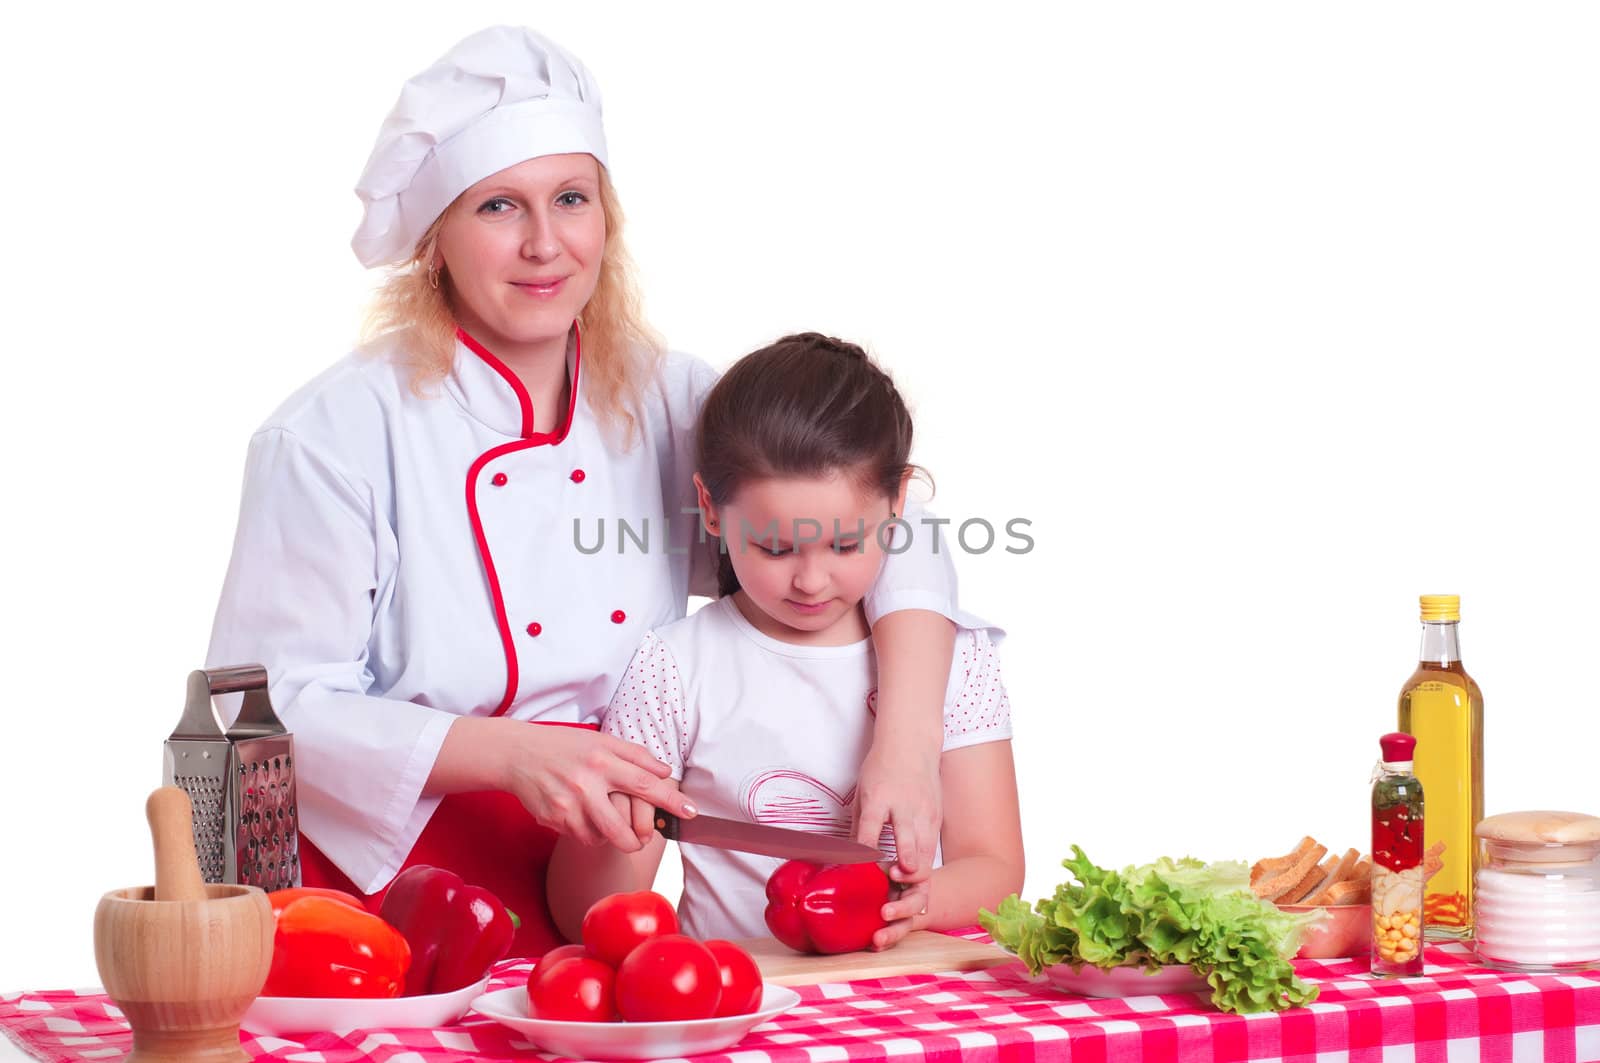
pixel 1455 1011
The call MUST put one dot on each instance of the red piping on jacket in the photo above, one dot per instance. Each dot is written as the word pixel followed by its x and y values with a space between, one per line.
pixel 529 439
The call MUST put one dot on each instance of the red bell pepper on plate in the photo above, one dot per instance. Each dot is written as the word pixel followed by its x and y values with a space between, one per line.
pixel 456 931
pixel 281 899
pixel 325 947
pixel 832 908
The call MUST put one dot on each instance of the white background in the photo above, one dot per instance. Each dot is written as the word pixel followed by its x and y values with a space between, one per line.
pixel 1269 317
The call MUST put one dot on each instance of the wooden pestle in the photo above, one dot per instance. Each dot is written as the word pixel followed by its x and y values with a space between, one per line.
pixel 172 832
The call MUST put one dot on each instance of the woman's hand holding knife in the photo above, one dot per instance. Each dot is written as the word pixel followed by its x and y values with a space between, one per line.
pixel 564 776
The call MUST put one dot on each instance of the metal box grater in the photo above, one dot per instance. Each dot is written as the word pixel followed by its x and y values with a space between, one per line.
pixel 241 783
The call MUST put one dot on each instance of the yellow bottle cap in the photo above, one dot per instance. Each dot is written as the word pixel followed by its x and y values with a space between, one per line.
pixel 1441 607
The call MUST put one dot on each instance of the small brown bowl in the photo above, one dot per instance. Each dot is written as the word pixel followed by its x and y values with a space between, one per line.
pixel 1347 933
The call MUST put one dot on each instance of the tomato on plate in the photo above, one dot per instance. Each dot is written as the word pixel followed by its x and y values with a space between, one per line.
pixel 554 956
pixel 668 978
pixel 574 989
pixel 741 979
pixel 614 926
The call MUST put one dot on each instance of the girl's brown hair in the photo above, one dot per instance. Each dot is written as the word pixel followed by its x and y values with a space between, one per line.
pixel 808 405
pixel 619 347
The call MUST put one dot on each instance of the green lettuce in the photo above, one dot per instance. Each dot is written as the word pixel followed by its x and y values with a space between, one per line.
pixel 1169 912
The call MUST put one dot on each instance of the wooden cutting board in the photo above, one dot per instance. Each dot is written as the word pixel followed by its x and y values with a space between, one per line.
pixel 921 952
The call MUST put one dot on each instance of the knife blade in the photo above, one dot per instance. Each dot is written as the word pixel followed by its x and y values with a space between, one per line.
pixel 763 840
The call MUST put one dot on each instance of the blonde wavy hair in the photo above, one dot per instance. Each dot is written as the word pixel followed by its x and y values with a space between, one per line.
pixel 619 348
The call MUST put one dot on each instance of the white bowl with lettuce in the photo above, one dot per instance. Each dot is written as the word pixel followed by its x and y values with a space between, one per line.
pixel 1174 926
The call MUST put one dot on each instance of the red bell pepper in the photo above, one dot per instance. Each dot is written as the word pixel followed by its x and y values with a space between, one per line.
pixel 832 908
pixel 324 947
pixel 456 931
pixel 281 899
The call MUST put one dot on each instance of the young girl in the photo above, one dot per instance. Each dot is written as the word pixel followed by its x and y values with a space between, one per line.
pixel 762 703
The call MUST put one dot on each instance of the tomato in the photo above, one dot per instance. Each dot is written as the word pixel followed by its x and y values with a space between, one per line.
pixel 667 979
pixel 741 979
pixel 575 989
pixel 554 956
pixel 614 926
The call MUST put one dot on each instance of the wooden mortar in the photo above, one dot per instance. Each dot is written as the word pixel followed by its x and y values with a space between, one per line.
pixel 182 959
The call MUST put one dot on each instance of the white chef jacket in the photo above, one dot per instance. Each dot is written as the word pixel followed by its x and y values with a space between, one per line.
pixel 402 560
pixel 766 731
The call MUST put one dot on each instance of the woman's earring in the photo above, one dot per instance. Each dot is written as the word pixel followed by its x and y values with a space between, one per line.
pixel 433 277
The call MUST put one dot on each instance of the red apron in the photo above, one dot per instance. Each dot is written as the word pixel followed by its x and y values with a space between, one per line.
pixel 488 839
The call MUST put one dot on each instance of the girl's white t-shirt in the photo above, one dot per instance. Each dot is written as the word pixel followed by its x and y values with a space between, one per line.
pixel 769 732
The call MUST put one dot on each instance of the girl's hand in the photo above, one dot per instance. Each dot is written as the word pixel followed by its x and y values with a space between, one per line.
pixel 640 814
pixel 907 912
pixel 565 777
pixel 901 786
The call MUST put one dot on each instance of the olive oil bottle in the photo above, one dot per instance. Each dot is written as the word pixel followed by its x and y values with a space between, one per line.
pixel 1442 707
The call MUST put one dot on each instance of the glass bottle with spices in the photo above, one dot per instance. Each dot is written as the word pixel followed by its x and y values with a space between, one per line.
pixel 1397 826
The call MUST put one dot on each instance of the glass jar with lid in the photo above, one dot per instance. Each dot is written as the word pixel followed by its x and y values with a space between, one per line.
pixel 1538 891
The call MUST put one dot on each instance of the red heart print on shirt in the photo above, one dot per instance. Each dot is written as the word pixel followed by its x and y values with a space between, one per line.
pixel 794 800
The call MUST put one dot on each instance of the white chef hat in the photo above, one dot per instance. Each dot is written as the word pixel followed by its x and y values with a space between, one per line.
pixel 504 95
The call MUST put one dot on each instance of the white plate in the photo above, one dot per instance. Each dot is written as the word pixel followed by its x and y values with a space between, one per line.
pixel 631 1040
pixel 1091 981
pixel 277 1016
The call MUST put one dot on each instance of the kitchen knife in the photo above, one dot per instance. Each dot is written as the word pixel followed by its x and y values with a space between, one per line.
pixel 764 840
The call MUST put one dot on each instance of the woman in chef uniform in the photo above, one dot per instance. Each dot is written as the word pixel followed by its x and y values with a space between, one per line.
pixel 415 559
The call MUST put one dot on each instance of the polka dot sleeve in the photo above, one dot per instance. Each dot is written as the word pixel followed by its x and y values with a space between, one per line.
pixel 648 707
pixel 980 711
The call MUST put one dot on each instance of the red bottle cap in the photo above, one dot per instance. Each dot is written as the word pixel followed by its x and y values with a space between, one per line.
pixel 1397 746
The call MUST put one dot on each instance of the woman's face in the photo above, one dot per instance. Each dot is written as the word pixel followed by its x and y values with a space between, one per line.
pixel 522 251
